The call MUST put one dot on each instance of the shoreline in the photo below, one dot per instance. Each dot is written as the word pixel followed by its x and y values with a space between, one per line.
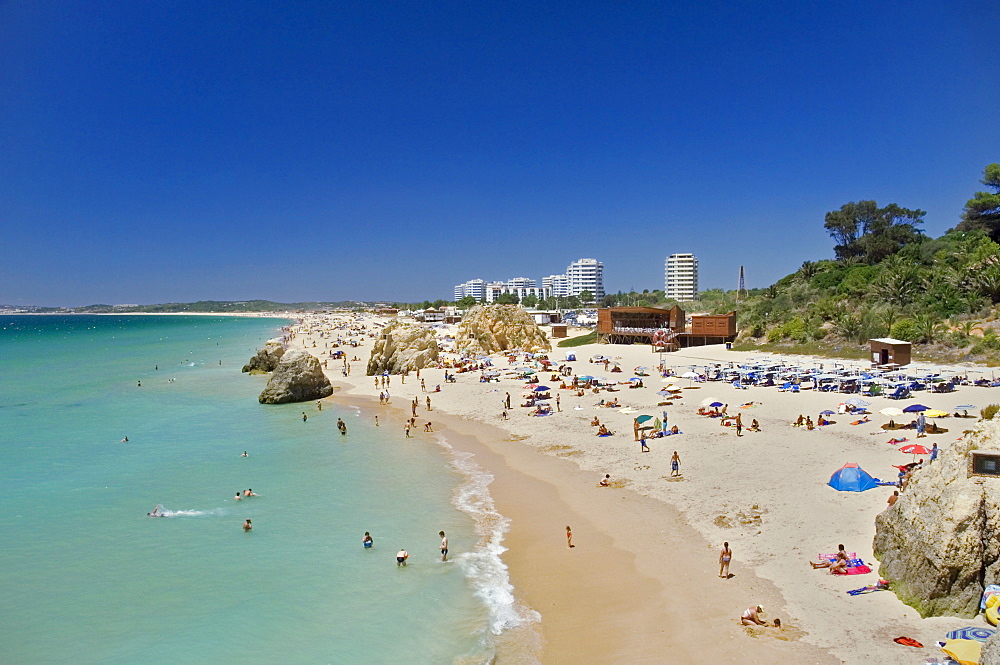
pixel 647 582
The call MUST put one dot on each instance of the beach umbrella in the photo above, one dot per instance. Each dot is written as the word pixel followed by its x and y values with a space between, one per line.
pixel 916 408
pixel 828 412
pixel 636 378
pixel 935 413
pixel 541 389
pixel 971 633
pixel 642 419
pixel 855 401
pixel 664 392
pixel 966 652
pixel 965 407
pixel 689 375
pixel 707 401
pixel 585 378
pixel 716 404
pixel 891 411
pixel 914 449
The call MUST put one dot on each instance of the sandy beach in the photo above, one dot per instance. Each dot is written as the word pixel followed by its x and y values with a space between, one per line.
pixel 642 582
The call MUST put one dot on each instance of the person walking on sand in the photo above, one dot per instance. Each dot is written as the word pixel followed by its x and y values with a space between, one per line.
pixel 558 405
pixel 643 446
pixel 725 556
pixel 428 402
pixel 675 464
pixel 507 402
pixel 406 429
pixel 444 546
pixel 569 537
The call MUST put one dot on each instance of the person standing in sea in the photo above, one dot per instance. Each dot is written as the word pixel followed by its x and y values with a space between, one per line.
pixel 444 546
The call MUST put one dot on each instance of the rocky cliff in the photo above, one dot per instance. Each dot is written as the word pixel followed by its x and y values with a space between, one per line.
pixel 487 329
pixel 403 347
pixel 297 378
pixel 940 543
pixel 991 651
pixel 267 358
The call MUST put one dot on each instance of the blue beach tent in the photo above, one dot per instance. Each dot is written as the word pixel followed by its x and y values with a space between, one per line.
pixel 851 478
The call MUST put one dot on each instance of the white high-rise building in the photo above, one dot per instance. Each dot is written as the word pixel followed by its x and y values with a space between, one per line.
pixel 680 277
pixel 586 275
pixel 474 287
pixel 559 285
pixel 522 283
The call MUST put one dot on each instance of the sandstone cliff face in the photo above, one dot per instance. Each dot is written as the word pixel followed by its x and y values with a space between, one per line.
pixel 267 358
pixel 403 347
pixel 297 378
pixel 940 543
pixel 991 651
pixel 487 329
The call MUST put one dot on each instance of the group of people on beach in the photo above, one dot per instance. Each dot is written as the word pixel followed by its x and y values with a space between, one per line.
pixel 402 555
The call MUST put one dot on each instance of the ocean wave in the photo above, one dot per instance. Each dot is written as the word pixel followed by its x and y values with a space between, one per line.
pixel 483 567
pixel 163 512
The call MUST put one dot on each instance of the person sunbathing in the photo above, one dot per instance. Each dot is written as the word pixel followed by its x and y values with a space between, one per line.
pixel 754 425
pixel 809 423
pixel 839 564
pixel 821 421
pixel 799 422
pixel 603 431
pixel 863 420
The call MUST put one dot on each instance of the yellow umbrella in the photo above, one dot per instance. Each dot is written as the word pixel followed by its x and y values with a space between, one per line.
pixel 935 413
pixel 966 652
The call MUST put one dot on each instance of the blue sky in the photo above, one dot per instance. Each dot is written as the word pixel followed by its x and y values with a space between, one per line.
pixel 176 151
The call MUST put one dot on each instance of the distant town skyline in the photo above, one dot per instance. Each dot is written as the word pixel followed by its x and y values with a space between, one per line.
pixel 316 151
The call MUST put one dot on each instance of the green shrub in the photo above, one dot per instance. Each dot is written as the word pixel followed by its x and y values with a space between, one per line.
pixel 906 329
pixel 989 411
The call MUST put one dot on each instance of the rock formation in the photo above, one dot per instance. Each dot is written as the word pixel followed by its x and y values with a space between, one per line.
pixel 267 358
pixel 487 329
pixel 991 651
pixel 403 347
pixel 939 544
pixel 297 378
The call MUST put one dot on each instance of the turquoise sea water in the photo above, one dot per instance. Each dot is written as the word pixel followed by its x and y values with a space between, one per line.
pixel 87 577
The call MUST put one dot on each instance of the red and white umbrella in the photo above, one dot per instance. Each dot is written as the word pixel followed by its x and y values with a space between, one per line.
pixel 914 449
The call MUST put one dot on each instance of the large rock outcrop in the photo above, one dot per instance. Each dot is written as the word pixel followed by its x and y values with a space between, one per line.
pixel 267 358
pixel 297 378
pixel 991 651
pixel 487 329
pixel 403 347
pixel 939 544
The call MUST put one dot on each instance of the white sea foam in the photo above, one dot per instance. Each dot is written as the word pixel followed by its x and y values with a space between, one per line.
pixel 188 513
pixel 483 567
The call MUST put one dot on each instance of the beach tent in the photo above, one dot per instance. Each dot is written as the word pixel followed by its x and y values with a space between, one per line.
pixel 851 478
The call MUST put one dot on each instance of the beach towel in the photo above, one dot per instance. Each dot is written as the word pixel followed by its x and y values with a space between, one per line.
pixel 858 570
pixel 885 483
pixel 883 585
pixel 909 642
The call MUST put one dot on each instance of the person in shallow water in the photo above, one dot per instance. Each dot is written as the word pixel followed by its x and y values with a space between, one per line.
pixel 247 525
pixel 367 541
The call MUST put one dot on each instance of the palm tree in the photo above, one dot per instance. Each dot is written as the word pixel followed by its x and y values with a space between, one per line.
pixel 929 327
pixel 966 328
pixel 808 269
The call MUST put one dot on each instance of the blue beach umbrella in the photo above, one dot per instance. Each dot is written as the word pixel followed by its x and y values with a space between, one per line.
pixel 541 389
pixel 716 404
pixel 965 407
pixel 585 378
pixel 642 419
pixel 916 408
pixel 828 412
pixel 971 633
